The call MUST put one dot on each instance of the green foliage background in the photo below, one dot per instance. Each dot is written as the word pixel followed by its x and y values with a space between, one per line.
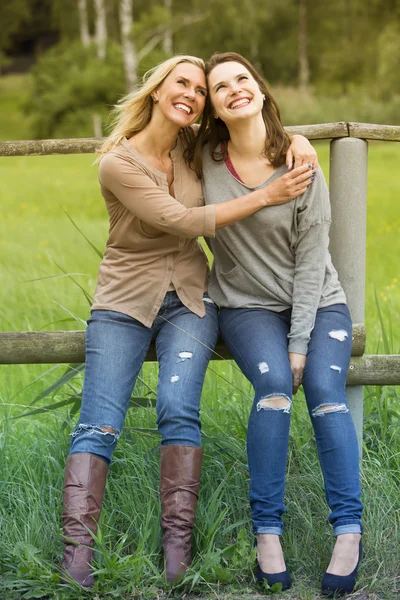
pixel 353 50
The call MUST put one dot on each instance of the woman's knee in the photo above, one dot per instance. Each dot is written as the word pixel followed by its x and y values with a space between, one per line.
pixel 273 389
pixel 279 402
pixel 327 408
pixel 324 394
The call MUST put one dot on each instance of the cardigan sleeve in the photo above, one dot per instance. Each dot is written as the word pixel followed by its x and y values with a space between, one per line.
pixel 311 251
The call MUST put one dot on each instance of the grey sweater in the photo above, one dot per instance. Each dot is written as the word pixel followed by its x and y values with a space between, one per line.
pixel 277 258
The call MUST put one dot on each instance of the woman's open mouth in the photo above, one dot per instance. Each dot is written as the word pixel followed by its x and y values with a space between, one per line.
pixel 183 108
pixel 239 103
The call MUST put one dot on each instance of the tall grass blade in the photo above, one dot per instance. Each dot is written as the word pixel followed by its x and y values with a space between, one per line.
pixel 87 296
pixel 53 277
pixel 386 345
pixel 99 254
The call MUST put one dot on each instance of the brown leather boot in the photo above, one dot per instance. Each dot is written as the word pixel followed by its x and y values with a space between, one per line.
pixel 179 490
pixel 84 483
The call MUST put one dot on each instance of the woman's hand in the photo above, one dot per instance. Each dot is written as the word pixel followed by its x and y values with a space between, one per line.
pixel 289 186
pixel 301 153
pixel 297 363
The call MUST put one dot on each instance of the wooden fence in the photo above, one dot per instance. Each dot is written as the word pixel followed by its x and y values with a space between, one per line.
pixel 348 190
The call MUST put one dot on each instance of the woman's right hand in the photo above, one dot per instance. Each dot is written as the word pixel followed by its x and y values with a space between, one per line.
pixel 289 186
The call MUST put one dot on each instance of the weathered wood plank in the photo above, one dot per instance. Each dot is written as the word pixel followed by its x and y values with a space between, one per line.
pixel 89 145
pixel 374 369
pixel 370 131
pixel 51 347
pixel 359 338
pixel 320 131
pixel 42 347
pixel 44 147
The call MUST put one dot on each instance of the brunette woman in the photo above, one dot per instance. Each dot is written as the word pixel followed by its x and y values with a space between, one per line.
pixel 283 314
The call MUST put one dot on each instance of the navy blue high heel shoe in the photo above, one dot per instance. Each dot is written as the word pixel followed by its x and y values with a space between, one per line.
pixel 340 584
pixel 273 578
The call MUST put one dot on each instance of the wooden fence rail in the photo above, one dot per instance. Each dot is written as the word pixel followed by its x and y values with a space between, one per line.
pixel 51 347
pixel 322 131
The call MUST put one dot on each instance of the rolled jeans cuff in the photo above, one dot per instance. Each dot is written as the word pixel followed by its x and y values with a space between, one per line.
pixel 276 530
pixel 350 528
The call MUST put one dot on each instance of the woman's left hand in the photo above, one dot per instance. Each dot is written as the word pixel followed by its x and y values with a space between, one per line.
pixel 301 153
pixel 297 363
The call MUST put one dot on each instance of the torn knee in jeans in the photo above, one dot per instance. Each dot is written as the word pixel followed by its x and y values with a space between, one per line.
pixel 324 409
pixel 275 402
pixel 107 429
pixel 103 430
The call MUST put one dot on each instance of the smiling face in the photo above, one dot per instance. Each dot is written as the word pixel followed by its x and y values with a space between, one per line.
pixel 181 96
pixel 234 92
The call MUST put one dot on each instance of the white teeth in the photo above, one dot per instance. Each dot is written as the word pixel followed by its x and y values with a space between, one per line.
pixel 240 102
pixel 183 107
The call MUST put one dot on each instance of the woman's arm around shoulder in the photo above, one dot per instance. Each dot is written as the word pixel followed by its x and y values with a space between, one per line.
pixel 301 152
pixel 132 186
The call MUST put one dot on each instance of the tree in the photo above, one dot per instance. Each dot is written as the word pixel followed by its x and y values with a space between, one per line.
pixel 83 23
pixel 128 46
pixel 167 38
pixel 101 50
pixel 100 28
pixel 304 71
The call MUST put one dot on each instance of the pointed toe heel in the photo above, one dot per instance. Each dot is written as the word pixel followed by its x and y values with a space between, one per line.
pixel 340 584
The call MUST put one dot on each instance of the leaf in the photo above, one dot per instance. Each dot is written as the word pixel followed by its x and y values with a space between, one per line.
pixel 35 593
pixel 49 407
pixel 71 372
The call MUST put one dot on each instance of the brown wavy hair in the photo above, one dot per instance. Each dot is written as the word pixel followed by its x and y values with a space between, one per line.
pixel 214 131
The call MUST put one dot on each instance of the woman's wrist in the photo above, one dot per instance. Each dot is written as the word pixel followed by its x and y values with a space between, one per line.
pixel 266 197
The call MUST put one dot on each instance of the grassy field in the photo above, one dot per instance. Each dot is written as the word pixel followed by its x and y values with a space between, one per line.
pixel 38 246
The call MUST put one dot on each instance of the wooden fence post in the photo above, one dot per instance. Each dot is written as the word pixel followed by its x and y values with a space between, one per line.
pixel 348 190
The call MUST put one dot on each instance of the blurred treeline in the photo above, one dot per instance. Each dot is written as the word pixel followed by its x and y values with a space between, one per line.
pixel 326 60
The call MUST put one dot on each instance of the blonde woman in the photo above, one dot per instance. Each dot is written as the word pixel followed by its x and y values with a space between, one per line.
pixel 152 285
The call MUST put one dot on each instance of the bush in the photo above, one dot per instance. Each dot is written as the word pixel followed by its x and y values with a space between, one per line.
pixel 358 106
pixel 70 84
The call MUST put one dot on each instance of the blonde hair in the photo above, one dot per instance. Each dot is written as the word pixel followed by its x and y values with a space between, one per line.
pixel 133 111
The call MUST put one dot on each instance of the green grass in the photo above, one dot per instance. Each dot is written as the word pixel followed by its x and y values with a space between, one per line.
pixel 38 243
pixel 129 558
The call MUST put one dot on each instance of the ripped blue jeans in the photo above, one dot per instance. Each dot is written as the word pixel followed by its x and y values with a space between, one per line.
pixel 257 339
pixel 116 347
